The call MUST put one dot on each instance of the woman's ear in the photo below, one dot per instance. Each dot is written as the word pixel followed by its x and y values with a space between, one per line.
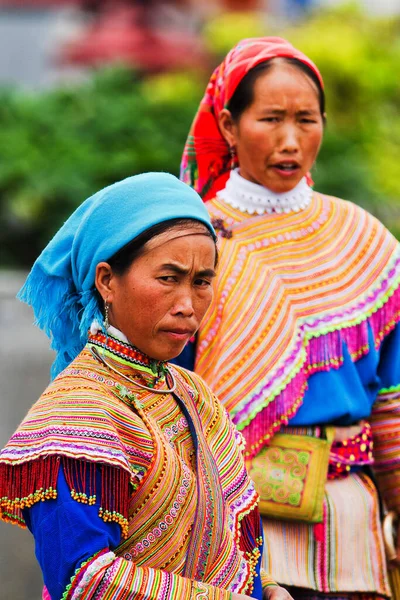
pixel 103 281
pixel 227 127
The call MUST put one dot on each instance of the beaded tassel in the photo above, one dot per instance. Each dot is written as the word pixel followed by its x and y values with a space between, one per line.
pixel 36 481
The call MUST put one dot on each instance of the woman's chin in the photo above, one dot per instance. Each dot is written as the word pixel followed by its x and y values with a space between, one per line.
pixel 278 183
pixel 283 187
pixel 165 354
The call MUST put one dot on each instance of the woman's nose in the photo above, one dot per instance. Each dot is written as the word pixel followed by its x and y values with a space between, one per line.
pixel 184 304
pixel 289 141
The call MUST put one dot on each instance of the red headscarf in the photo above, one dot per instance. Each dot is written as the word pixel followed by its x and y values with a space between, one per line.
pixel 206 157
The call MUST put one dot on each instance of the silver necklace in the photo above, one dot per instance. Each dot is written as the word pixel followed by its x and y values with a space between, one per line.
pixel 169 390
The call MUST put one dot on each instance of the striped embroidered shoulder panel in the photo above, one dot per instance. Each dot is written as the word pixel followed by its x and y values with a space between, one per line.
pixel 291 288
pixel 171 471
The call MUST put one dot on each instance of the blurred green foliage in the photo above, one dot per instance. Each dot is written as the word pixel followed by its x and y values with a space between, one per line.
pixel 57 147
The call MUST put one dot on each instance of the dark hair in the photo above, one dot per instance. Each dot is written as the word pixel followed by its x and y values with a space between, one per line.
pixel 243 96
pixel 122 260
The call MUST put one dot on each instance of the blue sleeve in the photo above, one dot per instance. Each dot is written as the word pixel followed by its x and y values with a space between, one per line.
pixel 345 395
pixel 389 364
pixel 67 533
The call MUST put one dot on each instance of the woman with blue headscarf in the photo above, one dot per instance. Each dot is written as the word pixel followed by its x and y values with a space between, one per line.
pixel 127 470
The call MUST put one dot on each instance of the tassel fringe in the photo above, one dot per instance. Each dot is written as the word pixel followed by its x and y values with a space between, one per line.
pixel 23 485
pixel 250 542
pixel 321 353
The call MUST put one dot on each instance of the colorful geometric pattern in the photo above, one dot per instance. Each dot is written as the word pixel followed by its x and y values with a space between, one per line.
pixel 283 482
pixel 385 425
pixel 344 553
pixel 290 476
pixel 186 506
pixel 291 290
pixel 356 451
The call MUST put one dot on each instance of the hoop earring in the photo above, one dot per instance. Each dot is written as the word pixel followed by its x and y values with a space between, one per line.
pixel 106 322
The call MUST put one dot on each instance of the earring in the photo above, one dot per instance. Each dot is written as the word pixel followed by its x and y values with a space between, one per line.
pixel 106 322
pixel 233 157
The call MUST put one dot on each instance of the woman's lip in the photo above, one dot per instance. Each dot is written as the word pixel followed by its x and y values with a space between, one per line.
pixel 285 172
pixel 179 335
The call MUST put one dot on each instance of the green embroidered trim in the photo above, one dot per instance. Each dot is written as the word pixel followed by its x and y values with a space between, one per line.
pixel 77 571
pixel 303 355
pixel 389 390
pixel 14 519
pixel 295 370
pixel 127 396
pixel 155 367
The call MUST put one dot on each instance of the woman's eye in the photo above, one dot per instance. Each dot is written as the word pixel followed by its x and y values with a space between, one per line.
pixel 270 119
pixel 202 282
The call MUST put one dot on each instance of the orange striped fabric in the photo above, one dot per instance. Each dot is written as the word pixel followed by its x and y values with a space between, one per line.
pixel 173 477
pixel 350 555
pixel 291 289
pixel 385 423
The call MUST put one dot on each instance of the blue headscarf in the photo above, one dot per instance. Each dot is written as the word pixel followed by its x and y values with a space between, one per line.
pixel 60 287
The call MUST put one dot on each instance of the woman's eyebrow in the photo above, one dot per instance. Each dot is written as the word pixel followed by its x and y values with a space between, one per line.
pixel 184 271
pixel 206 273
pixel 271 110
pixel 307 111
pixel 282 111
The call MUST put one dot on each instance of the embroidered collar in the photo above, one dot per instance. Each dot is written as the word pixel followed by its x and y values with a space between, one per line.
pixel 255 199
pixel 116 346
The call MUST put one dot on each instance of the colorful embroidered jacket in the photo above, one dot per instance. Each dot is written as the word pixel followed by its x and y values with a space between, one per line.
pixel 153 484
pixel 294 290
pixel 304 331
pixel 304 327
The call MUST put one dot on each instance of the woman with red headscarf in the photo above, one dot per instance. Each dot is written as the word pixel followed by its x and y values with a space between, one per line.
pixel 302 336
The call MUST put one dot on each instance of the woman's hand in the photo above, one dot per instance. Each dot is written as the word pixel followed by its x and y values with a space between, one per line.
pixel 241 597
pixel 276 592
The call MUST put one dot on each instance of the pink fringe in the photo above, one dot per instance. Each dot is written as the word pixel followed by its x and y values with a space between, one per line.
pixel 45 594
pixel 324 353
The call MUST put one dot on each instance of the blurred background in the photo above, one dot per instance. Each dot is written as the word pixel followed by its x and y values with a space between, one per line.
pixel 92 91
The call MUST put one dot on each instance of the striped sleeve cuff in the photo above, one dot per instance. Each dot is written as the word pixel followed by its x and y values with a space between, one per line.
pixel 266 579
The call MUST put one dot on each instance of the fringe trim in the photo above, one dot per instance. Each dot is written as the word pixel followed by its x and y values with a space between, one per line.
pixel 250 542
pixel 23 485
pixel 250 530
pixel 320 353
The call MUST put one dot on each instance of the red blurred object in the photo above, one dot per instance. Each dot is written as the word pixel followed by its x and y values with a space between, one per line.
pixel 123 33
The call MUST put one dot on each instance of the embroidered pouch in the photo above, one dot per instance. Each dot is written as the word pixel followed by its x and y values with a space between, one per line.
pixel 290 476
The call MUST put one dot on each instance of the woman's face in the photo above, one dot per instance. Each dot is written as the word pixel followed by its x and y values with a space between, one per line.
pixel 159 301
pixel 278 136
